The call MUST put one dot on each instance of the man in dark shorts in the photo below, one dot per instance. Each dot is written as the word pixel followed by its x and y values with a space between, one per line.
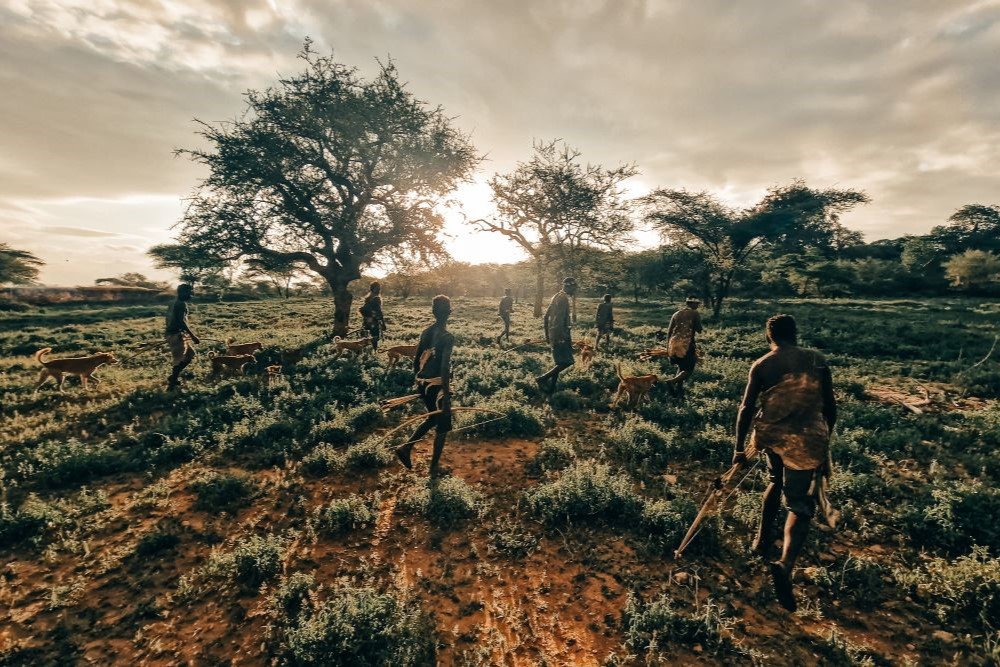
pixel 557 334
pixel 505 309
pixel 605 322
pixel 177 333
pixel 684 326
pixel 372 320
pixel 797 412
pixel 432 366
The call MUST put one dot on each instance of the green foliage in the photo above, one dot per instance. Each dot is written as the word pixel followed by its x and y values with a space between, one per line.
pixel 515 418
pixel 508 537
pixel 343 515
pixel 638 443
pixel 652 628
pixel 837 650
pixel 250 562
pixel 352 626
pixel 958 516
pixel 223 491
pixel 586 492
pixel 860 580
pixel 445 503
pixel 155 544
pixel 553 455
pixel 664 523
pixel 968 586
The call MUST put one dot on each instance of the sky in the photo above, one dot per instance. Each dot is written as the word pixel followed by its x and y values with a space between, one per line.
pixel 900 98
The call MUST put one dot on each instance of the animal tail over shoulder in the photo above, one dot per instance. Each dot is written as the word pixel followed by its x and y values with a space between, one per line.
pixel 41 353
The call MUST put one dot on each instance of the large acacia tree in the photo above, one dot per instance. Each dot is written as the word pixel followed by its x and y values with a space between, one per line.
pixel 328 171
pixel 553 205
pixel 791 218
pixel 18 267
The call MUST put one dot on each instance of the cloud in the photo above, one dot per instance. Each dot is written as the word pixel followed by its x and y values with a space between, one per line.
pixel 895 97
pixel 75 231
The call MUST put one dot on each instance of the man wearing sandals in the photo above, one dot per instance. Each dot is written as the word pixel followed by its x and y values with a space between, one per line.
pixel 797 411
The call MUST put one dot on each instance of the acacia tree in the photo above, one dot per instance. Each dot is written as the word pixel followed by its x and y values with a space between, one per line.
pixel 18 267
pixel 553 205
pixel 792 217
pixel 193 263
pixel 330 172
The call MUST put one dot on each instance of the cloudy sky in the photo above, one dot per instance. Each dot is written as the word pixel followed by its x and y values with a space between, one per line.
pixel 897 97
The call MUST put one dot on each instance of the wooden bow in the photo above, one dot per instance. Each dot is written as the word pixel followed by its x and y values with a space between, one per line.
pixel 719 491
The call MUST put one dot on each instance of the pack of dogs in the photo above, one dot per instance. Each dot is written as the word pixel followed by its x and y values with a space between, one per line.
pixel 238 357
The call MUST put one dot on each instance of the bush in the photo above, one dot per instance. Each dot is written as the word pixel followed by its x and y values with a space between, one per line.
pixel 353 626
pixel 252 561
pixel 445 503
pixel 652 627
pixel 223 492
pixel 860 580
pixel 372 453
pixel 343 515
pixel 29 520
pixel 967 587
pixel 155 543
pixel 640 444
pixel 553 454
pixel 665 522
pixel 517 419
pixel 586 492
pixel 959 516
pixel 508 537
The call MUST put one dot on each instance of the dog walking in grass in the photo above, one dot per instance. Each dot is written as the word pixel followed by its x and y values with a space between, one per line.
pixel 82 367
pixel 634 388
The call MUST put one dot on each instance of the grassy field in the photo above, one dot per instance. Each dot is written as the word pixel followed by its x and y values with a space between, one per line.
pixel 240 524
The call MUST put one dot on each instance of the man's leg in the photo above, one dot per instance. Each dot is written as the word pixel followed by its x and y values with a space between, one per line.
pixel 175 374
pixel 439 439
pixel 800 499
pixel 770 503
pixel 403 452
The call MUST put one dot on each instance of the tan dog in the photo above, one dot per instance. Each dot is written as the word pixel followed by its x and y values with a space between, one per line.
pixel 399 352
pixel 636 388
pixel 356 347
pixel 229 364
pixel 586 355
pixel 83 367
pixel 271 375
pixel 233 349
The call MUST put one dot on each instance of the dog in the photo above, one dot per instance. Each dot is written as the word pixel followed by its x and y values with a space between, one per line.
pixel 636 388
pixel 293 356
pixel 586 355
pixel 356 347
pixel 399 352
pixel 82 367
pixel 234 364
pixel 233 349
pixel 271 375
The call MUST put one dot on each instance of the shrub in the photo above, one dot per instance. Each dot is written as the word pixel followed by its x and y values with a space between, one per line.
pixel 586 492
pixel 959 515
pixel 839 651
pixel 222 491
pixel 508 537
pixel 353 626
pixel 373 452
pixel 665 522
pixel 553 454
pixel 322 460
pixel 860 580
pixel 155 543
pixel 58 464
pixel 444 502
pixel 515 419
pixel 252 561
pixel 343 515
pixel 969 586
pixel 29 520
pixel 638 443
pixel 651 627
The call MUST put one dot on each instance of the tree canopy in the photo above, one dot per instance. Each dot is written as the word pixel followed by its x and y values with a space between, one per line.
pixel 18 267
pixel 328 171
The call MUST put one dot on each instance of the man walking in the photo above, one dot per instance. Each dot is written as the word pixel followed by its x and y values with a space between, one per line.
pixel 797 412
pixel 177 333
pixel 557 334
pixel 432 367
pixel 372 319
pixel 681 344
pixel 605 322
pixel 505 309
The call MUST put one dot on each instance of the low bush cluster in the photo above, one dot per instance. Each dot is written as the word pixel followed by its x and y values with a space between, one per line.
pixel 553 454
pixel 445 503
pixel 968 586
pixel 586 492
pixel 652 628
pixel 223 491
pixel 638 443
pixel 343 515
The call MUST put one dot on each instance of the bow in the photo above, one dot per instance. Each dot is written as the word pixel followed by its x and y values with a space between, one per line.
pixel 719 491
pixel 433 413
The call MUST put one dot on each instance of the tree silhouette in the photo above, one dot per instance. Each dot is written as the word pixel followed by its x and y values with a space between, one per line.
pixel 18 267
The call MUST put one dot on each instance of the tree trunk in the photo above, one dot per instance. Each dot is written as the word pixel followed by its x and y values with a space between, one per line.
pixel 342 300
pixel 539 287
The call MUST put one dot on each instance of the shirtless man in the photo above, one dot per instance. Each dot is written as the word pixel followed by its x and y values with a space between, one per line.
pixel 505 309
pixel 177 333
pixel 432 366
pixel 605 321
pixel 684 325
pixel 557 334
pixel 372 319
pixel 797 412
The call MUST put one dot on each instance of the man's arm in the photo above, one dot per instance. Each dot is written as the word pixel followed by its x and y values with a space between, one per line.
pixel 560 322
pixel 421 346
pixel 745 417
pixel 673 325
pixel 697 323
pixel 183 319
pixel 829 400
pixel 446 349
pixel 545 322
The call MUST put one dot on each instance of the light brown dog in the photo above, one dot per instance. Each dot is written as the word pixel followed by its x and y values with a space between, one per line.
pixel 233 349
pixel 83 367
pixel 636 388
pixel 356 347
pixel 586 355
pixel 271 374
pixel 400 352
pixel 234 364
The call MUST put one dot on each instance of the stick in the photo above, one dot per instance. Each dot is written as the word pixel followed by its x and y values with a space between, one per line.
pixel 434 413
pixel 983 360
pixel 393 403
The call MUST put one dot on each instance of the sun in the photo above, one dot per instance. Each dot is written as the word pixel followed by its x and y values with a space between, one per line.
pixel 474 200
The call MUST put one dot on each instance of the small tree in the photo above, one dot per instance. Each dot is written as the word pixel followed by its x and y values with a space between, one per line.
pixel 973 269
pixel 131 279
pixel 553 206
pixel 193 263
pixel 793 217
pixel 330 172
pixel 18 267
